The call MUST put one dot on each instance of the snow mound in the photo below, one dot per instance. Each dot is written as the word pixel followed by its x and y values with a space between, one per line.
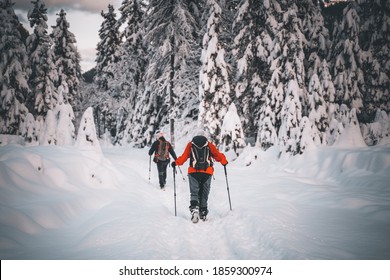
pixel 64 203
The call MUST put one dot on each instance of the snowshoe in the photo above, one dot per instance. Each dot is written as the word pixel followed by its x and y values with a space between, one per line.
pixel 195 214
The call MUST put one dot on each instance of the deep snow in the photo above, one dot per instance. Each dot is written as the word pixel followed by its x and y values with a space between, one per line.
pixel 74 203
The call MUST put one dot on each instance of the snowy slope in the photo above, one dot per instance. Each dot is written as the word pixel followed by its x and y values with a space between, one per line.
pixel 70 203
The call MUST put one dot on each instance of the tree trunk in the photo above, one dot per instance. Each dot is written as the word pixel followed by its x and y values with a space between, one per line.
pixel 171 93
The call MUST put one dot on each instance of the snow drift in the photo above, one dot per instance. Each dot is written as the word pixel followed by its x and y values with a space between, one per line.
pixel 64 203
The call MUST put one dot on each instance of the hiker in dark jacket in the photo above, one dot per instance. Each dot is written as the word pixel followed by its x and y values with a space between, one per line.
pixel 162 149
pixel 201 153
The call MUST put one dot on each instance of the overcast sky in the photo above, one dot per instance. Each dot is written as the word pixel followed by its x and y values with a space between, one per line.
pixel 84 19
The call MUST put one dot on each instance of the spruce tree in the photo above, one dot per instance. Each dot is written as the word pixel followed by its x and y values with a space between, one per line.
pixel 318 110
pixel 214 89
pixel 269 120
pixel 252 47
pixel 43 72
pixel 232 135
pixel 374 39
pixel 172 35
pixel 67 60
pixel 14 89
pixel 107 48
pixel 347 60
pixel 130 70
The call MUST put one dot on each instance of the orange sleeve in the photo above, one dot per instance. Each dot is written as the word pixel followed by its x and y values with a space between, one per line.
pixel 186 154
pixel 217 155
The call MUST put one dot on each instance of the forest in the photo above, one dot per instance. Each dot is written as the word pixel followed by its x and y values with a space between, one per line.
pixel 286 73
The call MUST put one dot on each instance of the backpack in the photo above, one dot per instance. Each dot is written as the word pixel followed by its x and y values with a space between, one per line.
pixel 162 153
pixel 200 154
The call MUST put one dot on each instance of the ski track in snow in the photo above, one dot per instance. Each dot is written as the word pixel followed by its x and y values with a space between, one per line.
pixel 54 207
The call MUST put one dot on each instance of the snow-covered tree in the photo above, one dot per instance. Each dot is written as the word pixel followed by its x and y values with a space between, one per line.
pixel 374 39
pixel 66 60
pixel 232 135
pixel 14 89
pixel 309 135
pixel 290 133
pixel 286 94
pixel 317 35
pixel 269 121
pixel 318 109
pixel 107 48
pixel 172 31
pixel 214 89
pixel 378 130
pixel 130 70
pixel 48 131
pixel 65 130
pixel 252 47
pixel 86 136
pixel 347 59
pixel 28 130
pixel 43 71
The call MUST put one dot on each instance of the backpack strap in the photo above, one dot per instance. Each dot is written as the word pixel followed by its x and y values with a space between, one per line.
pixel 195 154
pixel 167 146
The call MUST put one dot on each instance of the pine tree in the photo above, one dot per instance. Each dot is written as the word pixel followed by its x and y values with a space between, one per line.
pixel 289 79
pixel 107 48
pixel 347 60
pixel 86 136
pixel 290 133
pixel 133 53
pixel 67 60
pixel 318 110
pixel 14 89
pixel 374 39
pixel 317 35
pixel 232 135
pixel 43 72
pixel 172 31
pixel 252 47
pixel 269 120
pixel 214 90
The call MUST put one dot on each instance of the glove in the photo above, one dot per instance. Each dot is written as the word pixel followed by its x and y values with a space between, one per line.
pixel 225 164
pixel 173 164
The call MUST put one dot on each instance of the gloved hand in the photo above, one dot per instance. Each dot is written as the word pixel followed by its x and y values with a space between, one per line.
pixel 173 164
pixel 225 164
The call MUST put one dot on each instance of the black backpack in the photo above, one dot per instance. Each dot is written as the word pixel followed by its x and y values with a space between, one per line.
pixel 162 153
pixel 200 153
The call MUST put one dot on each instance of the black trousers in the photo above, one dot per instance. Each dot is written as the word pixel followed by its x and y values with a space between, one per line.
pixel 199 189
pixel 162 172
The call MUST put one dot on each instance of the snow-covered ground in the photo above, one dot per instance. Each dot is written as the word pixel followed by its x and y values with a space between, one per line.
pixel 73 203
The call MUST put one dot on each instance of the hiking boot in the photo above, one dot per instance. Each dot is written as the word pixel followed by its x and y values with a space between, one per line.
pixel 194 214
pixel 203 213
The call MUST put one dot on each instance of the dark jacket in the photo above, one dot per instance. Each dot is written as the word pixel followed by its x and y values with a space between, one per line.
pixel 154 148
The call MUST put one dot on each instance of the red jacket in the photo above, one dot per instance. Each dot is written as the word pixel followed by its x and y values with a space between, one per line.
pixel 217 155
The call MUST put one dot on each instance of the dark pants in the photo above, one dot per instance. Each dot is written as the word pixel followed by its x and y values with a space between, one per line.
pixel 199 189
pixel 162 172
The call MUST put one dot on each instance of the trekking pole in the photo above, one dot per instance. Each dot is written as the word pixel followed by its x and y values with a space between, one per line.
pixel 174 188
pixel 150 163
pixel 181 174
pixel 227 186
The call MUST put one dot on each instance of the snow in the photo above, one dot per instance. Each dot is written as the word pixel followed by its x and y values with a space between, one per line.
pixel 68 202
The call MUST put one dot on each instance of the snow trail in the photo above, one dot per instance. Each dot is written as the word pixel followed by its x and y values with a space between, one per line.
pixel 65 203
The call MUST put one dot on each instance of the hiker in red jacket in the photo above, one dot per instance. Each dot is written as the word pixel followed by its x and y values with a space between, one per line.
pixel 201 153
pixel 162 149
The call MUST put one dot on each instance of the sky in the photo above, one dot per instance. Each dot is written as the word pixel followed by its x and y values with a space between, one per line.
pixel 84 19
